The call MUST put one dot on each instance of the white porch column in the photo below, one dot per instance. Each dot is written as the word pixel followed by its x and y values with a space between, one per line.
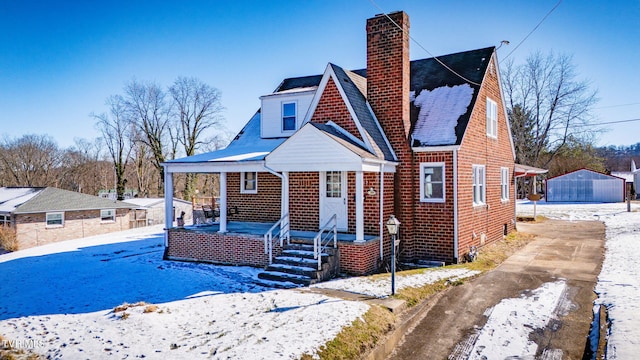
pixel 168 204
pixel 359 206
pixel 223 202
pixel 284 204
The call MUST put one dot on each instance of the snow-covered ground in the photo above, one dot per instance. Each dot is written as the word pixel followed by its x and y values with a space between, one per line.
pixel 59 300
pixel 618 285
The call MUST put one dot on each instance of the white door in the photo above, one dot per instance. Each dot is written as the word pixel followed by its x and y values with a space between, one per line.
pixel 333 198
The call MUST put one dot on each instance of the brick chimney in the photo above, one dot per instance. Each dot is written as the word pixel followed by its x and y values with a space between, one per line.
pixel 388 81
pixel 388 73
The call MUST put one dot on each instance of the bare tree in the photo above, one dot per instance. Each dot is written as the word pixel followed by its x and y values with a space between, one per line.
pixel 149 111
pixel 198 108
pixel 116 131
pixel 31 160
pixel 547 106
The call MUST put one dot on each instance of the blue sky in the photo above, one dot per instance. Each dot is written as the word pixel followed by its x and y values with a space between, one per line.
pixel 60 60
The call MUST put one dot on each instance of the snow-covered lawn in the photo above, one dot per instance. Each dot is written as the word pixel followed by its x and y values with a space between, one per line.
pixel 618 285
pixel 59 299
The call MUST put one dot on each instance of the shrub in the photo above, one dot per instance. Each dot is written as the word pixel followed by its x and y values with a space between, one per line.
pixel 8 238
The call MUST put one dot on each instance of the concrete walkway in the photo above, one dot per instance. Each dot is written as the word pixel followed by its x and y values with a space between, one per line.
pixel 562 250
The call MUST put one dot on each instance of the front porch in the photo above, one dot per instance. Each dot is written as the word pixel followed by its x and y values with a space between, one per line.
pixel 243 243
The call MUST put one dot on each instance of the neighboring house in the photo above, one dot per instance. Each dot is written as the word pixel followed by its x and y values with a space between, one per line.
pixel 151 211
pixel 585 185
pixel 347 149
pixel 42 215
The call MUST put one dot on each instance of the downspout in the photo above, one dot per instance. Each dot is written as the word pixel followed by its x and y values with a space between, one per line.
pixel 381 192
pixel 455 206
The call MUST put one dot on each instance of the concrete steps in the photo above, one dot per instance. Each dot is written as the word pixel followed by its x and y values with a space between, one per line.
pixel 295 267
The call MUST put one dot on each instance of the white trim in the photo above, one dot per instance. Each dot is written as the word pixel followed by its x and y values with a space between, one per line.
pixel 46 219
pixel 494 58
pixel 381 202
pixel 436 148
pixel 359 207
pixel 168 205
pixel 346 133
pixel 422 184
pixel 243 179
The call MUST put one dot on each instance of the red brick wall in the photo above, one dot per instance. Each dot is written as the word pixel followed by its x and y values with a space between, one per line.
pixel 434 228
pixel 479 149
pixel 359 258
pixel 261 207
pixel 218 248
pixel 331 107
pixel 304 201
pixel 31 229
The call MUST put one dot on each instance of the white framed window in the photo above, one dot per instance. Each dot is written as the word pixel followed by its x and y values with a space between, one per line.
pixel 289 112
pixel 504 183
pixel 249 183
pixel 55 219
pixel 333 184
pixel 432 185
pixel 108 215
pixel 479 185
pixel 492 118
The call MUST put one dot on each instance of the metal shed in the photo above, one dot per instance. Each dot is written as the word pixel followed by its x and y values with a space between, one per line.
pixel 585 186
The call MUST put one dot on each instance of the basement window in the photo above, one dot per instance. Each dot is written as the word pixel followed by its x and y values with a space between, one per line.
pixel 55 219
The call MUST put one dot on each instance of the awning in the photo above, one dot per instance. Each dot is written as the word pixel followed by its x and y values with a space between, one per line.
pixel 525 170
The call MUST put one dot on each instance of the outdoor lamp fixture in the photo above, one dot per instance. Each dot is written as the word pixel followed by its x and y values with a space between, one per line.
pixel 393 225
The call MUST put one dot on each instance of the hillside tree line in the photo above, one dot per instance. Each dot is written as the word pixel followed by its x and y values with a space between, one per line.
pixel 142 127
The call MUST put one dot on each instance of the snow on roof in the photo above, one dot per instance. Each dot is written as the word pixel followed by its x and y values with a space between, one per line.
pixel 439 112
pixel 247 146
pixel 11 198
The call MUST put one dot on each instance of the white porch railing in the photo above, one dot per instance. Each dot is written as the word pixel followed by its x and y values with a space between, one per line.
pixel 270 238
pixel 322 240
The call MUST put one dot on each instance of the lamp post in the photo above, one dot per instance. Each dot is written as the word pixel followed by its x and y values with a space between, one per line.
pixel 392 226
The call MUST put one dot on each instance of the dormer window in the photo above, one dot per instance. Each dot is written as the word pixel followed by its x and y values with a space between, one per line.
pixel 288 116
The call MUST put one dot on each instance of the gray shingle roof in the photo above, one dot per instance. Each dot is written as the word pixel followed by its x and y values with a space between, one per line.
pixel 53 199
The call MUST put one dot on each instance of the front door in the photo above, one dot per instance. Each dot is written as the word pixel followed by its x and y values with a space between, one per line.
pixel 333 198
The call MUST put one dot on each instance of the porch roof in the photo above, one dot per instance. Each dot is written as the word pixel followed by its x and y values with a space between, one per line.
pixel 247 146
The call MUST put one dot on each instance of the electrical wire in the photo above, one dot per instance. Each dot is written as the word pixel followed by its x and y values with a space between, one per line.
pixel 422 47
pixel 534 29
pixel 620 105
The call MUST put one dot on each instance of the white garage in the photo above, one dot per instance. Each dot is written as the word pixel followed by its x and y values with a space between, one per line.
pixel 585 186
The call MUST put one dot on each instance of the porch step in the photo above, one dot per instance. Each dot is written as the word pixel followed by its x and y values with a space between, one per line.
pixel 285 277
pixel 295 266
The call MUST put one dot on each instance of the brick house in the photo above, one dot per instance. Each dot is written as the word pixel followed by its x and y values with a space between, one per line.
pixel 42 215
pixel 426 140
